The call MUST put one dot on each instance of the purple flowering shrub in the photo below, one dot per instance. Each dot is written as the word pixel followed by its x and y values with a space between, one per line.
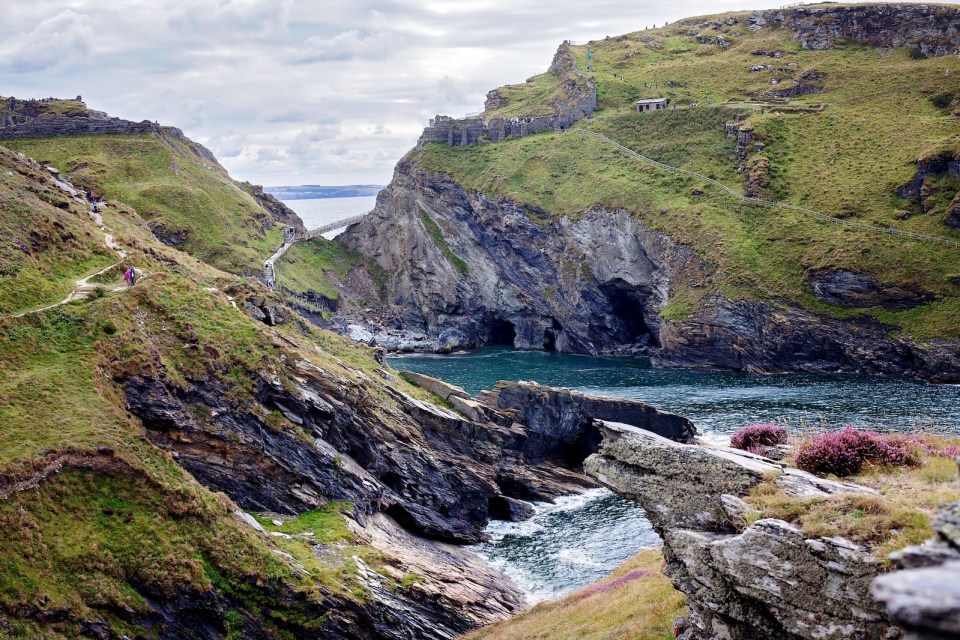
pixel 847 452
pixel 754 437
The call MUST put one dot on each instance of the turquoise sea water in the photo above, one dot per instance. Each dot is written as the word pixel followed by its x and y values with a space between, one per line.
pixel 581 539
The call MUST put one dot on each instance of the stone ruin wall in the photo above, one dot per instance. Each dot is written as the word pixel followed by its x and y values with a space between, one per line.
pixel 581 101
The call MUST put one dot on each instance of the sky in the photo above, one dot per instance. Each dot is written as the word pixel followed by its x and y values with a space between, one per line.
pixel 289 92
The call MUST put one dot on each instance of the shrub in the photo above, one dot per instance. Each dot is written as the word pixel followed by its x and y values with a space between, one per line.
pixel 942 100
pixel 754 436
pixel 916 53
pixel 847 452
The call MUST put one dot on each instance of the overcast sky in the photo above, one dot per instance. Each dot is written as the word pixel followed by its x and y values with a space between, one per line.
pixel 298 91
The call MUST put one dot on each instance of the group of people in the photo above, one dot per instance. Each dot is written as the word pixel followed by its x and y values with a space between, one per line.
pixel 93 199
pixel 130 275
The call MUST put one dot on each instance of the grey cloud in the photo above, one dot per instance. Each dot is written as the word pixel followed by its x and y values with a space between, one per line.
pixel 63 38
pixel 349 45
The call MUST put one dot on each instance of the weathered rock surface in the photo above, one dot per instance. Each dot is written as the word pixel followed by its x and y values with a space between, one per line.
pixel 924 597
pixel 561 422
pixel 586 286
pixel 851 289
pixel 416 473
pixel 765 337
pixel 764 581
pixel 597 285
pixel 932 29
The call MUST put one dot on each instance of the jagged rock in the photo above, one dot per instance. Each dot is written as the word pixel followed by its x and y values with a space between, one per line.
pixel 561 422
pixel 596 285
pixel 759 337
pixel 434 385
pixel 359 334
pixel 738 512
pixel 931 30
pixel 764 581
pixel 924 597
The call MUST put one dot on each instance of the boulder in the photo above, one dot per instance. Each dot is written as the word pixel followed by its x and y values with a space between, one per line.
pixel 924 597
pixel 742 581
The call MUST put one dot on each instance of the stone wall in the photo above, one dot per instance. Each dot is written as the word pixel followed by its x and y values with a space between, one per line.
pixel 579 101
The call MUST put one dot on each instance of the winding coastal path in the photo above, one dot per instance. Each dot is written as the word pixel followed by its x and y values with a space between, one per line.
pixel 83 286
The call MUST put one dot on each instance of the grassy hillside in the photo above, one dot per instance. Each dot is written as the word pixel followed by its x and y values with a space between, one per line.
pixel 48 241
pixel 103 526
pixel 187 201
pixel 843 151
pixel 318 266
pixel 636 602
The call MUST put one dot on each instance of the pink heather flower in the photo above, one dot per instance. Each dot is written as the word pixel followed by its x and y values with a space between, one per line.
pixel 846 452
pixel 755 436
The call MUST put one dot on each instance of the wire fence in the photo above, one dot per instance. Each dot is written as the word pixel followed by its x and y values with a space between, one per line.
pixel 769 203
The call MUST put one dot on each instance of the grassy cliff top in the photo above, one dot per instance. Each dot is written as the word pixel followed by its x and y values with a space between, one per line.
pixel 854 132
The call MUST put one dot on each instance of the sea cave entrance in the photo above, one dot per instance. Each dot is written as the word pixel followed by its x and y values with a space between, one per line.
pixel 628 304
pixel 502 332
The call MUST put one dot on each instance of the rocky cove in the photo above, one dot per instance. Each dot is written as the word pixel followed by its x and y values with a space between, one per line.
pixel 594 285
pixel 199 457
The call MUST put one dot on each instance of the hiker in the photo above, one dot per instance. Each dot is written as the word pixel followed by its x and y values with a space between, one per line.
pixel 126 276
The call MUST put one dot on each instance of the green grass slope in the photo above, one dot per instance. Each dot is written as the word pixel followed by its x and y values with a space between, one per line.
pixel 843 151
pixel 636 602
pixel 184 198
pixel 104 530
pixel 48 241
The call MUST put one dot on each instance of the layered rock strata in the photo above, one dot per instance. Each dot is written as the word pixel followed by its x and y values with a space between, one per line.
pixel 595 285
pixel 419 476
pixel 743 578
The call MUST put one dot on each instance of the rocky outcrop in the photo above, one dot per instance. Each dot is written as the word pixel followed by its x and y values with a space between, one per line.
pixel 36 119
pixel 590 285
pixel 765 337
pixel 924 597
pixel 742 581
pixel 560 421
pixel 597 285
pixel 851 289
pixel 279 211
pixel 415 472
pixel 930 28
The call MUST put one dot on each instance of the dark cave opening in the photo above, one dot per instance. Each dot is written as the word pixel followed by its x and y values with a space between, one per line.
pixel 550 336
pixel 502 332
pixel 627 304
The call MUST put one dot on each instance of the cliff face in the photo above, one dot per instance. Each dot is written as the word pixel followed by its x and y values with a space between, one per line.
pixel 586 286
pixel 741 582
pixel 419 476
pixel 924 597
pixel 594 285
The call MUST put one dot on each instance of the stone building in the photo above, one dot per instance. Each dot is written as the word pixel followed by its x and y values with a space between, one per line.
pixel 650 104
